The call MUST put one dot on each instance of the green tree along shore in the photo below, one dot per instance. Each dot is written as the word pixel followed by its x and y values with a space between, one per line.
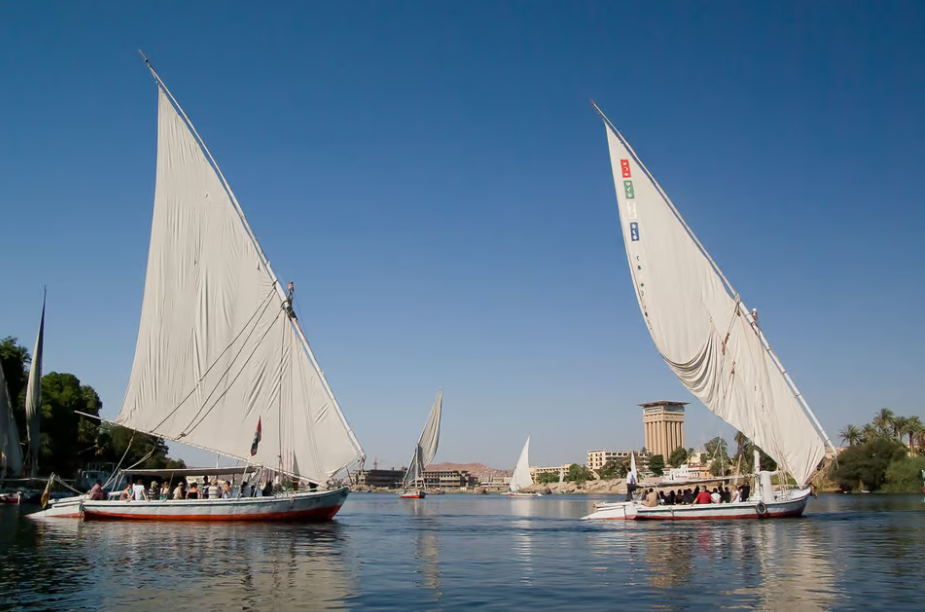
pixel 69 441
pixel 878 456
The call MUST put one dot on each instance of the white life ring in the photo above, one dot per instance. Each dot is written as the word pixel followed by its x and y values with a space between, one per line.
pixel 761 508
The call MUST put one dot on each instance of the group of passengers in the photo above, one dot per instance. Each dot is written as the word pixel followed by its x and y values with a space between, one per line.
pixel 719 495
pixel 216 489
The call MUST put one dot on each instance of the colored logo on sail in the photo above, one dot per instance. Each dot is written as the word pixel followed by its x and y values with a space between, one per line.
pixel 628 190
pixel 625 167
pixel 634 231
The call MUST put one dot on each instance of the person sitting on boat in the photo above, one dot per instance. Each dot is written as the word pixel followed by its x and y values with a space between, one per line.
pixel 724 495
pixel 651 499
pixel 126 493
pixel 180 491
pixel 688 497
pixel 193 492
pixel 226 490
pixel 268 489
pixel 214 490
pixel 138 491
pixel 714 496
pixel 245 489
pixel 165 491
pixel 96 492
pixel 154 491
pixel 735 496
pixel 703 497
pixel 670 498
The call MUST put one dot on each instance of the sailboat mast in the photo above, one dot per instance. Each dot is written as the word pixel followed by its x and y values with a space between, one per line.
pixel 263 258
pixel 742 307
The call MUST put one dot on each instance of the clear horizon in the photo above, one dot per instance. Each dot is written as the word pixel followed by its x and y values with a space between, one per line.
pixel 434 181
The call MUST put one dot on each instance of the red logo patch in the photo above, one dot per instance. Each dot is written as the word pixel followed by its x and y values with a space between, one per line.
pixel 625 166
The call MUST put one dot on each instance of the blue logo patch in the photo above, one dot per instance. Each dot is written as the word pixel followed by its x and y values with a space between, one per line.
pixel 634 231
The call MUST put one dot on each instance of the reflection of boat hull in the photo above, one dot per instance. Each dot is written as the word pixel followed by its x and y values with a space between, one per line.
pixel 414 495
pixel 755 509
pixel 313 506
pixel 509 494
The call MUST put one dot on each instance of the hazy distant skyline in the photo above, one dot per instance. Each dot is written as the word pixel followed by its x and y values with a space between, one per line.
pixel 432 178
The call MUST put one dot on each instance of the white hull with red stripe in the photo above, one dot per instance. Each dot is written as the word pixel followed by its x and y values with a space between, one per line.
pixel 792 504
pixel 310 507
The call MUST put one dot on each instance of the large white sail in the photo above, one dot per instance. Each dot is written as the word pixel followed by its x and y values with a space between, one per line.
pixel 426 448
pixel 9 436
pixel 34 399
pixel 521 478
pixel 701 328
pixel 218 349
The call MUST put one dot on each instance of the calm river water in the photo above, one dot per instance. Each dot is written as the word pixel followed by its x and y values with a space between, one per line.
pixel 460 552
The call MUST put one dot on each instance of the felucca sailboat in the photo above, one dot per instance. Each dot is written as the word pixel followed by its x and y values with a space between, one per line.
pixel 713 344
pixel 414 485
pixel 221 361
pixel 521 478
pixel 9 436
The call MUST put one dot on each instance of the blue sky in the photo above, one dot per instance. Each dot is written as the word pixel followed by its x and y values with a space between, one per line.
pixel 432 177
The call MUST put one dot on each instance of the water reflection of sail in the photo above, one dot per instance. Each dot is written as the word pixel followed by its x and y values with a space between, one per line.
pixel 523 537
pixel 796 572
pixel 243 567
pixel 426 550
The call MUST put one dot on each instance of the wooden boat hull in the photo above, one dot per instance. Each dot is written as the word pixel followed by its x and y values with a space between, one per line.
pixel 308 507
pixel 791 507
pixel 414 495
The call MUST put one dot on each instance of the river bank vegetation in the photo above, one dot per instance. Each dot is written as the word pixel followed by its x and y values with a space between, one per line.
pixel 68 441
pixel 886 454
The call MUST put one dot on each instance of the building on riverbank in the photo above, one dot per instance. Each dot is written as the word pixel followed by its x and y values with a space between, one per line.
pixel 433 479
pixel 664 427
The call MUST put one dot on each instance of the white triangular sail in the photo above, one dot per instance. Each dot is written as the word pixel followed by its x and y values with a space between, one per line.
pixel 9 436
pixel 426 448
pixel 34 399
pixel 218 348
pixel 633 472
pixel 701 328
pixel 521 478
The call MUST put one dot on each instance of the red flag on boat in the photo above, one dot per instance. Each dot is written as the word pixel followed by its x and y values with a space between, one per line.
pixel 257 437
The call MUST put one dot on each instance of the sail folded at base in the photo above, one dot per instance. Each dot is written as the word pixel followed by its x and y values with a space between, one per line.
pixel 217 352
pixel 700 328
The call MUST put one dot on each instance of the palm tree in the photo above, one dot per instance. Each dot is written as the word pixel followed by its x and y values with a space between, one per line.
pixel 900 427
pixel 851 434
pixel 883 421
pixel 869 432
pixel 743 444
pixel 915 429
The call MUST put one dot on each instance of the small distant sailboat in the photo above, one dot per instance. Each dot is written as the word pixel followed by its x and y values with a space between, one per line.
pixel 34 399
pixel 13 463
pixel 414 485
pixel 521 478
pixel 712 343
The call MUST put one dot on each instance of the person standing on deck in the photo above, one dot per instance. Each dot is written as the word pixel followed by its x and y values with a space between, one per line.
pixel 630 485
